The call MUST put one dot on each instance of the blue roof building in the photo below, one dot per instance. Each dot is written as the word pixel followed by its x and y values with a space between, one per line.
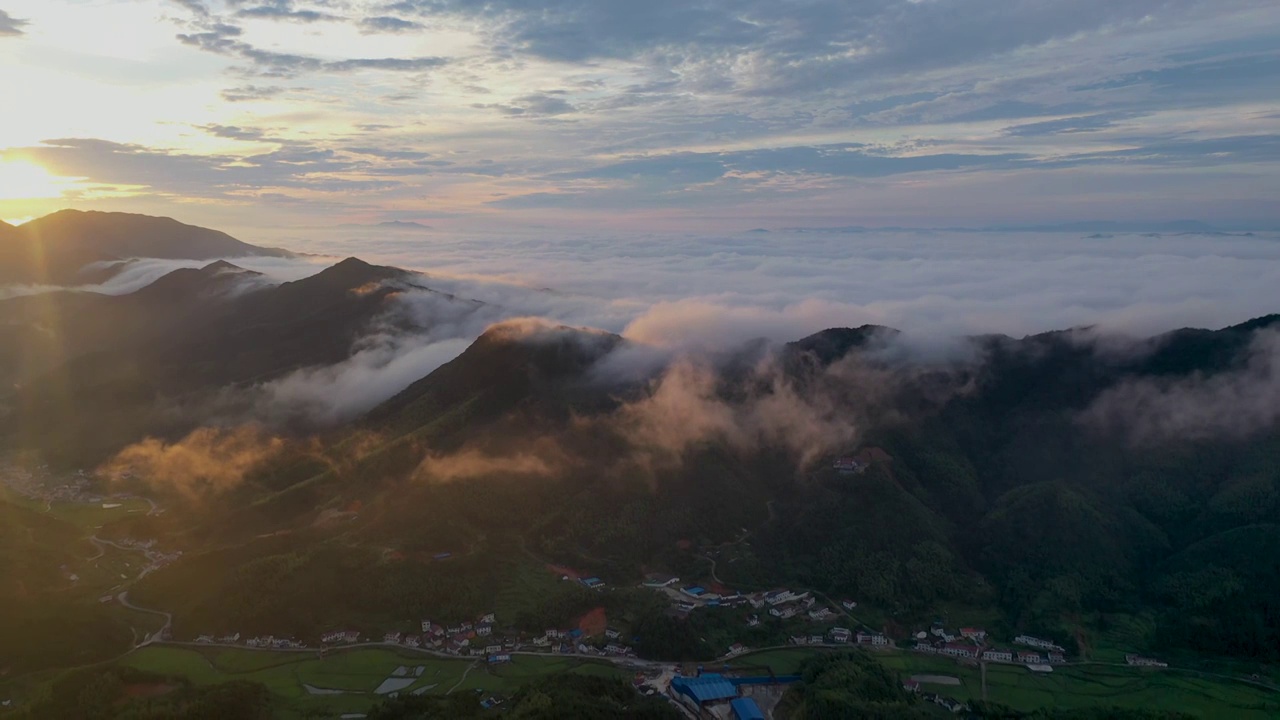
pixel 592 582
pixel 746 709
pixel 706 688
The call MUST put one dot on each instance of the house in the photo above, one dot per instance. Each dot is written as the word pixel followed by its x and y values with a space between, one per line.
pixel 737 649
pixel 205 639
pixel 778 597
pixel 484 630
pixel 491 649
pixel 925 647
pixel 351 636
pixel 911 686
pixel 454 629
pixel 799 639
pixel 1140 661
pixel 467 626
pixel 841 635
pixel 612 633
pixel 693 591
pixel 230 639
pixel 554 635
pixel 1028 657
pixel 426 626
pixel 685 607
pixel 848 604
pixel 820 614
pixel 391 637
pixel 959 650
pixel 996 655
pixel 753 621
pixel 973 633
pixel 499 658
pixel 489 618
pixel 592 583
pixel 1057 658
pixel 875 639
pixel 655 580
pixel 542 641
pixel 815 639
pixel 476 652
pixel 1035 642
pixel 614 649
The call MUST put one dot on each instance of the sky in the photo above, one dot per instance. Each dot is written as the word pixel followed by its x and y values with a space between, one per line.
pixel 261 117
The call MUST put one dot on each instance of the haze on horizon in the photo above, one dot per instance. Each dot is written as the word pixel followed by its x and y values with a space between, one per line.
pixel 580 115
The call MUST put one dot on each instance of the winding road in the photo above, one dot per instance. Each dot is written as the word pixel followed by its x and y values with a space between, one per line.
pixel 157 636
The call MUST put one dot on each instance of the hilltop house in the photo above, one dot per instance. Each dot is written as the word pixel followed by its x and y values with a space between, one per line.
pixel 973 633
pixel 849 466
pixel 841 635
pixel 1028 657
pixel 995 655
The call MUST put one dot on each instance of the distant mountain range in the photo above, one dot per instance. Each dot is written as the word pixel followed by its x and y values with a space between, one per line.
pixel 56 249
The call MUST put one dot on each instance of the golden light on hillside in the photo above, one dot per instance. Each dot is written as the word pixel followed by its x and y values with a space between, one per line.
pixel 25 180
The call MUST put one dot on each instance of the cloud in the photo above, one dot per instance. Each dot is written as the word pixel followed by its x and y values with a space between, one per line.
pixel 247 93
pixel 11 26
pixel 422 331
pixel 1234 403
pixel 207 462
pixel 221 38
pixel 388 24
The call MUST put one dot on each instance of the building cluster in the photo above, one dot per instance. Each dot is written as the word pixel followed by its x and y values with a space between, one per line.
pixel 971 644
pixel 842 636
pixel 477 638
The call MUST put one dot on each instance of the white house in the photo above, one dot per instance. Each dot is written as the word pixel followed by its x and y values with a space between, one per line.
pixel 841 635
pixel 995 655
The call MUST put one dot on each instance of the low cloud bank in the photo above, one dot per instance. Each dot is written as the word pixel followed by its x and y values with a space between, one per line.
pixel 1232 404
pixel 209 461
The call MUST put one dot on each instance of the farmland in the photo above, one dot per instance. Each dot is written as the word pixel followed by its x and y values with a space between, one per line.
pixel 345 681
pixel 1075 686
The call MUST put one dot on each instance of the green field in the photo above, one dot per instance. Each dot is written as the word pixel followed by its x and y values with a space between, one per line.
pixel 356 673
pixel 1070 686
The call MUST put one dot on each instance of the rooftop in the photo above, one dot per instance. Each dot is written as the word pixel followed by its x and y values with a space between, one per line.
pixel 707 688
pixel 746 709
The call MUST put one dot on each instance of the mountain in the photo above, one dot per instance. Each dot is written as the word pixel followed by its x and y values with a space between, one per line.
pixel 54 249
pixel 97 372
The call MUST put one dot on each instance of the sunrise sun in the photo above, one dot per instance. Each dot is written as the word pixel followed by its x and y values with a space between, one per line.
pixel 23 180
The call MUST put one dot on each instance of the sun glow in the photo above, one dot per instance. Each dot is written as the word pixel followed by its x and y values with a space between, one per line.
pixel 23 180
